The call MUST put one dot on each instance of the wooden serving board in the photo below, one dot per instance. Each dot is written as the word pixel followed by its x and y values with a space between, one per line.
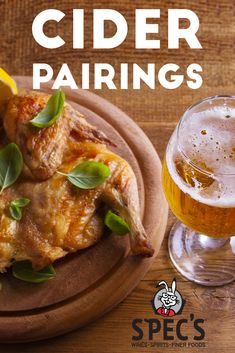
pixel 90 282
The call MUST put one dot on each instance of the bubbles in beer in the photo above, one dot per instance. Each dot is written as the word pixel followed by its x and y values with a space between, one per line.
pixel 203 162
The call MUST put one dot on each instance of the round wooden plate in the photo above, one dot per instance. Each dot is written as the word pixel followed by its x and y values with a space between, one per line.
pixel 91 282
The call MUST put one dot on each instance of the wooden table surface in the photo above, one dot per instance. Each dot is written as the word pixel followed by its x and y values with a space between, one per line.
pixel 157 112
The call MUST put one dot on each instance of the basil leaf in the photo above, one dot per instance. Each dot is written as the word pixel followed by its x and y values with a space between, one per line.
pixel 23 270
pixel 11 165
pixel 116 223
pixel 15 213
pixel 15 207
pixel 88 175
pixel 51 112
pixel 20 202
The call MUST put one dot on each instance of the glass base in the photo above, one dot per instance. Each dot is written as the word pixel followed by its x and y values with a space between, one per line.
pixel 202 259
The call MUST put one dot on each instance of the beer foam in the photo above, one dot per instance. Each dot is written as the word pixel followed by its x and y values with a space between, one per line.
pixel 207 139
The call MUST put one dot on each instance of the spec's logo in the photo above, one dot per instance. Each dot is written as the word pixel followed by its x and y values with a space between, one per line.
pixel 168 329
pixel 168 301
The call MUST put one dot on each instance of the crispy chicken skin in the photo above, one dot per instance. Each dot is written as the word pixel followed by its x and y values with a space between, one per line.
pixel 43 149
pixel 61 218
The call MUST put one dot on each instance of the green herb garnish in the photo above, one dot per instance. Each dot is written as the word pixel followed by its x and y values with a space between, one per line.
pixel 15 213
pixel 24 271
pixel 20 202
pixel 11 165
pixel 116 223
pixel 88 175
pixel 51 112
pixel 15 207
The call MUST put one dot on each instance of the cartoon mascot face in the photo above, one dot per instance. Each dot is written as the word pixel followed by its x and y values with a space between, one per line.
pixel 168 301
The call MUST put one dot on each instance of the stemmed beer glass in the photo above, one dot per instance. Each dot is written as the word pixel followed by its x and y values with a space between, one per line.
pixel 199 184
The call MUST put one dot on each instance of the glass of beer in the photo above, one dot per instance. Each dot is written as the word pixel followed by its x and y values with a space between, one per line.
pixel 199 184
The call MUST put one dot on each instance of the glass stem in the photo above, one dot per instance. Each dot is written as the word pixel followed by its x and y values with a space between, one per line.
pixel 208 242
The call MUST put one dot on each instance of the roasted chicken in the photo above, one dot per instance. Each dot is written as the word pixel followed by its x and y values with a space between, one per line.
pixel 43 149
pixel 62 218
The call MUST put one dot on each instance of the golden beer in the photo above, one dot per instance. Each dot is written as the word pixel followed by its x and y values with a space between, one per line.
pixel 199 172
pixel 206 219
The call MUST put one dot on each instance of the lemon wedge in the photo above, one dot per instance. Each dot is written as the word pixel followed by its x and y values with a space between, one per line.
pixel 7 86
